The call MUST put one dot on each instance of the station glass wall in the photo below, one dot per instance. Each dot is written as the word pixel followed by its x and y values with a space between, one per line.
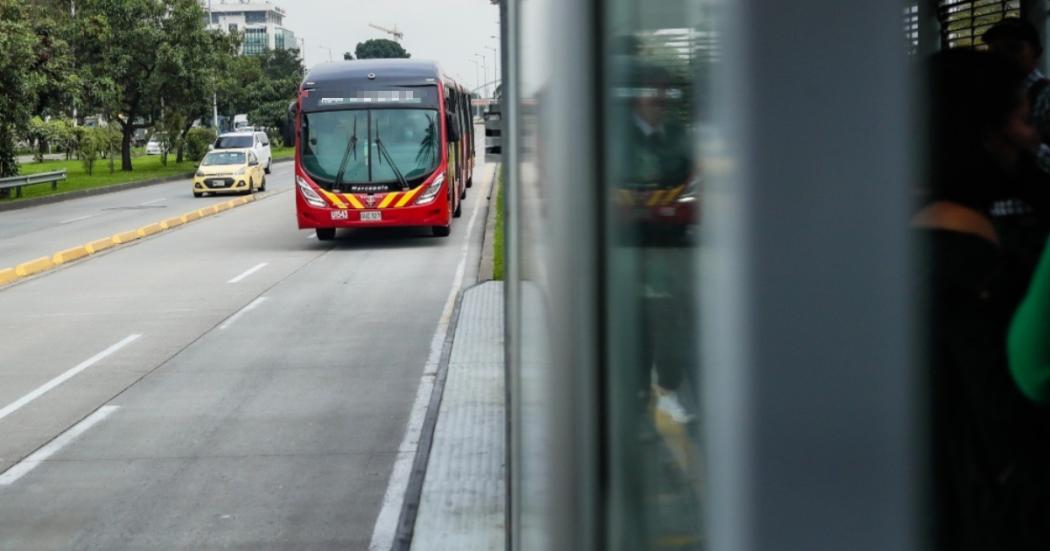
pixel 705 350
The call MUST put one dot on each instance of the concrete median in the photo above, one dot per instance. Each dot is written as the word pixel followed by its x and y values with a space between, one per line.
pixel 69 255
pixel 191 216
pixel 125 237
pixel 146 231
pixel 99 245
pixel 7 275
pixel 172 223
pixel 32 267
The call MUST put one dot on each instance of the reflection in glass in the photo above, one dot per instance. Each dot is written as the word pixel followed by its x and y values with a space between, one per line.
pixel 654 62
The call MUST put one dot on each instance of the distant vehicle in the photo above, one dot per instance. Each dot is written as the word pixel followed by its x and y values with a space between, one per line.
pixel 229 171
pixel 240 123
pixel 256 141
pixel 156 145
pixel 381 143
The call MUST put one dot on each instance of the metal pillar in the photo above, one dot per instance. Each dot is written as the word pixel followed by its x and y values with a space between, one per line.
pixel 809 380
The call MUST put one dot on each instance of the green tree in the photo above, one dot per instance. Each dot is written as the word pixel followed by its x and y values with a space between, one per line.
pixel 130 53
pixel 17 83
pixel 261 86
pixel 347 56
pixel 190 66
pixel 380 48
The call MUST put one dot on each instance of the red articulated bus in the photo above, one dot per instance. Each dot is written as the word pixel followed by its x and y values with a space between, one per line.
pixel 381 143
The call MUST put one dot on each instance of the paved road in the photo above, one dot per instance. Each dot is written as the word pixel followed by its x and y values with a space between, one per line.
pixel 231 383
pixel 33 232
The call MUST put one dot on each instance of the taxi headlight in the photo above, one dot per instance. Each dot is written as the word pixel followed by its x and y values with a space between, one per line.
pixel 308 192
pixel 199 173
pixel 241 170
pixel 432 190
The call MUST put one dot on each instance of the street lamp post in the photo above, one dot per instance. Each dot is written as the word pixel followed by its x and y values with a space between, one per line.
pixel 477 80
pixel 495 63
pixel 484 74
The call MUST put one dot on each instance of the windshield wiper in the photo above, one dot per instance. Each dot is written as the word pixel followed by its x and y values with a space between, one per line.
pixel 389 159
pixel 351 147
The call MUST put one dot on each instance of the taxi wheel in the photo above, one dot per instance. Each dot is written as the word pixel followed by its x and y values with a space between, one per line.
pixel 325 234
pixel 251 187
pixel 262 185
pixel 198 194
pixel 267 169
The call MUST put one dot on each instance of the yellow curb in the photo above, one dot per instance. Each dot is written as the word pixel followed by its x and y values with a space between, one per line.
pixel 232 203
pixel 7 275
pixel 125 237
pixel 69 255
pixel 99 245
pixel 151 229
pixel 219 207
pixel 249 198
pixel 171 223
pixel 41 264
pixel 191 216
pixel 206 211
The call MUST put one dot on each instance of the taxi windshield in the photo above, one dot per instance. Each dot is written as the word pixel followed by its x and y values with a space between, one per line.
pixel 224 158
pixel 370 145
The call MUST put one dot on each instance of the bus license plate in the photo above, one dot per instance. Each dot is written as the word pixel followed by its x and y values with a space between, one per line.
pixel 340 215
pixel 371 216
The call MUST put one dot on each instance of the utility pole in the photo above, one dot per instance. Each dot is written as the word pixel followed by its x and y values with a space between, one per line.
pixel 73 14
pixel 215 92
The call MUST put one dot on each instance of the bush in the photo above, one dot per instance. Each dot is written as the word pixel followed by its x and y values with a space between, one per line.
pixel 90 147
pixel 197 142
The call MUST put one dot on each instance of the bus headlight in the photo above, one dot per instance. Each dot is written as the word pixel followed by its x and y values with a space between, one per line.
pixel 432 190
pixel 308 192
pixel 691 192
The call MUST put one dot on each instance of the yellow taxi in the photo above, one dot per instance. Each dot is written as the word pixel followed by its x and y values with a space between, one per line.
pixel 225 171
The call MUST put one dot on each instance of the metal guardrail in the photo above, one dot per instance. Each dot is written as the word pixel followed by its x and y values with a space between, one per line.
pixel 17 182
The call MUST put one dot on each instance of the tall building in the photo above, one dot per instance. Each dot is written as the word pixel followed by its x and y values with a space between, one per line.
pixel 261 23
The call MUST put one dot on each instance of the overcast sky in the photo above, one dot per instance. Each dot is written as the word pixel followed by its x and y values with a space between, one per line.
pixel 447 31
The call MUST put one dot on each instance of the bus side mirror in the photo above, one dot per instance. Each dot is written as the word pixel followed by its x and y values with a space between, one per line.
pixel 452 126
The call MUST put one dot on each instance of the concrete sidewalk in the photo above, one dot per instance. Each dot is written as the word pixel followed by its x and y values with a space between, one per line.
pixel 462 505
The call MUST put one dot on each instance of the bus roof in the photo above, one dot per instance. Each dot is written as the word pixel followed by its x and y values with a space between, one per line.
pixel 390 71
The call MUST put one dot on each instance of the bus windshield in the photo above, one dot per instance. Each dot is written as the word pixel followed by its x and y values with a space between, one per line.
pixel 339 147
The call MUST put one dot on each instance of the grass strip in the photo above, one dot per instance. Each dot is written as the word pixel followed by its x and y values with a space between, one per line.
pixel 497 240
pixel 145 168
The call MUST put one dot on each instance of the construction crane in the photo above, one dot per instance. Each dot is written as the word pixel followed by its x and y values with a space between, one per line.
pixel 398 35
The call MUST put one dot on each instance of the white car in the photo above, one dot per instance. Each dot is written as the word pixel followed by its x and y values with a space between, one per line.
pixel 256 141
pixel 155 146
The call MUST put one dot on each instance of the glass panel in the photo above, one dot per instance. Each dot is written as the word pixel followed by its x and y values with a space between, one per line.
pixel 658 56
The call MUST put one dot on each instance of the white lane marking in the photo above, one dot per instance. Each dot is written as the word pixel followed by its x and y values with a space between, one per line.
pixel 248 272
pixel 151 202
pixel 79 218
pixel 386 524
pixel 251 306
pixel 44 388
pixel 23 467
